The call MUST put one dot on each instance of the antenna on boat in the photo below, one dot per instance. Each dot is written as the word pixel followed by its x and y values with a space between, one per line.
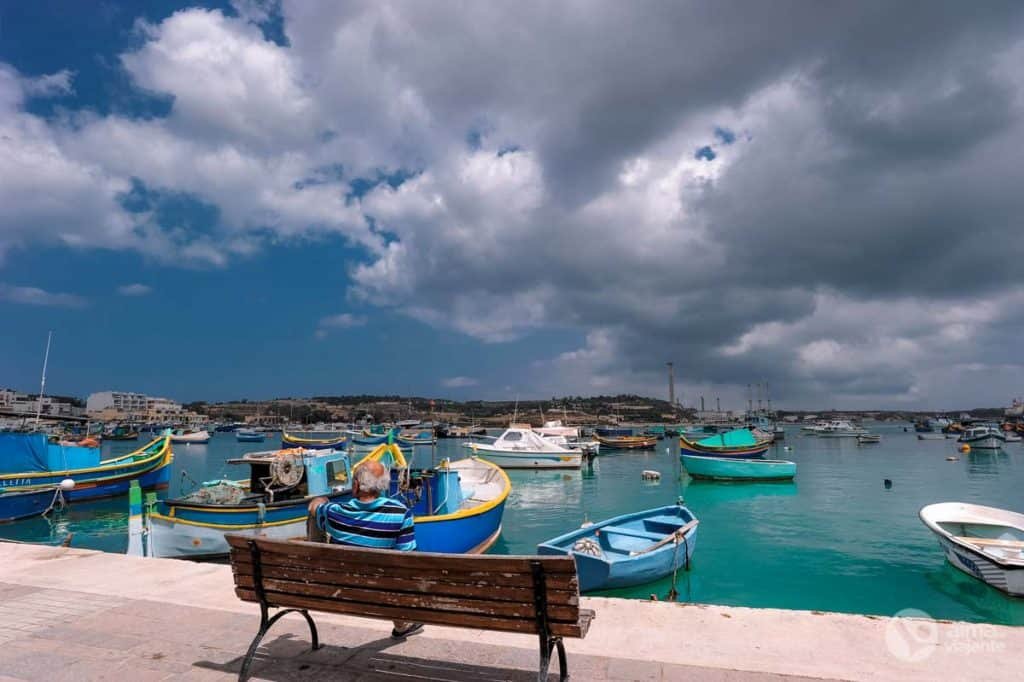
pixel 42 383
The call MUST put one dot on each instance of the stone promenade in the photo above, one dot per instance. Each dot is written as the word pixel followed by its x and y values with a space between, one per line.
pixel 70 614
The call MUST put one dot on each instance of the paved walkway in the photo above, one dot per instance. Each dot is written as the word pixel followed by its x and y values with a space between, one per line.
pixel 80 615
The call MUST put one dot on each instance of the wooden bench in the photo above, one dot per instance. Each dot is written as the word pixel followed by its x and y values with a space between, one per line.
pixel 528 594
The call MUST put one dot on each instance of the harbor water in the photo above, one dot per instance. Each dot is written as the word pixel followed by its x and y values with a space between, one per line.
pixel 835 539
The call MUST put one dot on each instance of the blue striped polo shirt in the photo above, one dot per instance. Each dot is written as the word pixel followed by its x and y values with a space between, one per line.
pixel 383 523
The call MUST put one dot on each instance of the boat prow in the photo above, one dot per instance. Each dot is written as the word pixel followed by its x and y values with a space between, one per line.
pixel 986 543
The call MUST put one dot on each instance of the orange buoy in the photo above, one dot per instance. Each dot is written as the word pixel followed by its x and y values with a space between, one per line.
pixel 965 448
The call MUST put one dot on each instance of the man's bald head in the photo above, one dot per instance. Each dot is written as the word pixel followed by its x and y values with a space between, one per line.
pixel 372 478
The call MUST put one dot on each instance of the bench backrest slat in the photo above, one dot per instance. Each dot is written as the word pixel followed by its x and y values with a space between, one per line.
pixel 492 592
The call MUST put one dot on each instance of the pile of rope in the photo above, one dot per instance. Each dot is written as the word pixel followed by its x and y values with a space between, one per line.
pixel 588 546
pixel 221 492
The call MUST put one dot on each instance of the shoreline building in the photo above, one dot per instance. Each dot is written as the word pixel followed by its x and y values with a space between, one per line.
pixel 15 402
pixel 129 406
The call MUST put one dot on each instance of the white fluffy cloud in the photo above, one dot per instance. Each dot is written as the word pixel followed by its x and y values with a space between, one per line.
pixel 850 226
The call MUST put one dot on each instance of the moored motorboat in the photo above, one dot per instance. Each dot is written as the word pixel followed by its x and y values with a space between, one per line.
pixel 983 437
pixel 29 462
pixel 840 428
pixel 736 443
pixel 190 437
pixel 332 443
pixel 736 469
pixel 984 542
pixel 868 439
pixel 520 448
pixel 632 549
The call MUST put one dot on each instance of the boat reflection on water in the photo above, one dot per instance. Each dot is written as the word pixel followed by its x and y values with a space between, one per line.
pixel 986 462
pixel 697 492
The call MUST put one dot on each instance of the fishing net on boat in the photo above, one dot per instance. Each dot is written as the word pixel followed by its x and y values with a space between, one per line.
pixel 588 546
pixel 218 492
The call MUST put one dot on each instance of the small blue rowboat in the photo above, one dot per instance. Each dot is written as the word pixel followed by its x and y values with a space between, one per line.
pixel 249 436
pixel 734 469
pixel 627 550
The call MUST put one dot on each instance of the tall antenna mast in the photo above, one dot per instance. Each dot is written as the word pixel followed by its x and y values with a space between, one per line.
pixel 42 383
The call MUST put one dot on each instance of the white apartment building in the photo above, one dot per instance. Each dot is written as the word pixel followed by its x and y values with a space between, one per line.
pixel 23 403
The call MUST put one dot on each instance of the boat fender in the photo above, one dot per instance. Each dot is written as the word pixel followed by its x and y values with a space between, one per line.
pixel 67 484
pixel 888 484
pixel 261 512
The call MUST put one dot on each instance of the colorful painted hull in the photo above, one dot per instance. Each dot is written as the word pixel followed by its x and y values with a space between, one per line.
pixel 373 439
pixel 692 448
pixel 250 437
pixel 25 504
pixel 290 441
pixel 197 531
pixel 629 552
pixel 150 465
pixel 627 442
pixel 735 469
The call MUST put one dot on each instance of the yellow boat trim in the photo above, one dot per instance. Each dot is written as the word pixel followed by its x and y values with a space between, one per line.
pixel 172 519
pixel 380 451
pixel 287 437
pixel 474 511
pixel 105 465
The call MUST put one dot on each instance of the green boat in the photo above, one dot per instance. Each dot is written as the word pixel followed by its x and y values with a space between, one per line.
pixel 733 469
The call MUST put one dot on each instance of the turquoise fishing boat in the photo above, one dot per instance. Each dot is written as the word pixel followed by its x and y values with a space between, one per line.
pixel 632 549
pixel 31 463
pixel 736 443
pixel 249 436
pixel 423 437
pixel 368 438
pixel 735 469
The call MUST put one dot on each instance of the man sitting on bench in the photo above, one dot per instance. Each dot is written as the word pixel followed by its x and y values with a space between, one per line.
pixel 370 519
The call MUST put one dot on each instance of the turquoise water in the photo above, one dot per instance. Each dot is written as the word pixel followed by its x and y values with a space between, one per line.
pixel 833 540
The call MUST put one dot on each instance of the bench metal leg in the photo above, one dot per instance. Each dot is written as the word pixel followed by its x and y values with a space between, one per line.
pixel 265 625
pixel 547 645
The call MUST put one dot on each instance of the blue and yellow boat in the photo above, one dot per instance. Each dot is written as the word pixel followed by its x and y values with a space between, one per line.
pixel 457 506
pixel 31 463
pixel 333 443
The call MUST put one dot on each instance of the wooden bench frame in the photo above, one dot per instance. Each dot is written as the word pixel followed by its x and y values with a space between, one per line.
pixel 572 621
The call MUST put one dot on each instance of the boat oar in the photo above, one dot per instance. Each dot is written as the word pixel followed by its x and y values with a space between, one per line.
pixel 667 539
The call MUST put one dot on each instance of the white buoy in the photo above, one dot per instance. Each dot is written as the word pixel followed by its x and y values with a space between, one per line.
pixel 649 475
pixel 67 484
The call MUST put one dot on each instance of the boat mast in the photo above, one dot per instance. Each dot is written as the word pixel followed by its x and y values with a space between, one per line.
pixel 42 383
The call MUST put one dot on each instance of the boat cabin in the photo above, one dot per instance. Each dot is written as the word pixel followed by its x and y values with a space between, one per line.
pixel 296 474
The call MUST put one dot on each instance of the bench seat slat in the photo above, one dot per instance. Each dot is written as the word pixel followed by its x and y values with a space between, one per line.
pixel 241 563
pixel 424 561
pixel 492 589
pixel 428 616
pixel 406 600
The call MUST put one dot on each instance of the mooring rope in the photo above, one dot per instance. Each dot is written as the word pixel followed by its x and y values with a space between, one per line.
pixel 58 502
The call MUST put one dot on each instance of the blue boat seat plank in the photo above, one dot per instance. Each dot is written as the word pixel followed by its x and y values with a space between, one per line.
pixel 632 533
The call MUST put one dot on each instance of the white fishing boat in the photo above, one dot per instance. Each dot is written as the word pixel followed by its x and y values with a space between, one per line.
pixel 983 437
pixel 568 437
pixel 984 542
pixel 840 428
pixel 520 448
pixel 1012 436
pixel 196 437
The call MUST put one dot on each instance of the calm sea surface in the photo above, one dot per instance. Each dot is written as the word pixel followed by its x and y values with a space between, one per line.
pixel 834 540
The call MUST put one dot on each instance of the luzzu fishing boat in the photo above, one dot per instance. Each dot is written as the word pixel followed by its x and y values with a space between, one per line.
pixel 271 503
pixel 190 437
pixel 457 506
pixel 30 463
pixel 627 442
pixel 735 443
pixel 422 437
pixel 632 549
pixel 369 438
pixel 333 443
pixel 249 436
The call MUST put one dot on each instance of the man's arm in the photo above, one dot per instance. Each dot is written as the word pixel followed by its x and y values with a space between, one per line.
pixel 406 540
pixel 315 521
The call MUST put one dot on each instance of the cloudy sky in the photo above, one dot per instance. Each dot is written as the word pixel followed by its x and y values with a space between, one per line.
pixel 499 199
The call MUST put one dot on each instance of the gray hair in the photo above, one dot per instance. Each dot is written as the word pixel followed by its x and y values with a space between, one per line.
pixel 373 483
